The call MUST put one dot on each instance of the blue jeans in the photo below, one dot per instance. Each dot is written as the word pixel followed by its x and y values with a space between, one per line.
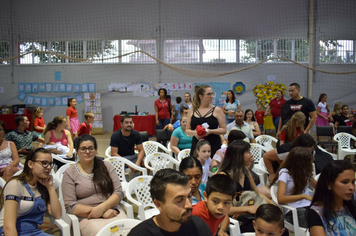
pixel 162 123
pixel 276 122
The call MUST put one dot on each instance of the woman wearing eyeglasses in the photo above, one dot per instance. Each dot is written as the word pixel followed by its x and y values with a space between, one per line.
pixel 26 197
pixel 204 112
pixel 92 189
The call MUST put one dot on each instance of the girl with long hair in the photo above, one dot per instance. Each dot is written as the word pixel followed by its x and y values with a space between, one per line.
pixel 322 111
pixel 251 120
pixel 203 153
pixel 192 168
pixel 334 114
pixel 293 128
pixel 293 178
pixel 333 208
pixel 231 104
pixel 26 197
pixel 204 112
pixel 235 164
pixel 92 188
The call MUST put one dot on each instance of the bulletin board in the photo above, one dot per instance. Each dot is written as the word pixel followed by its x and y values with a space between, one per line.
pixel 93 104
pixel 220 92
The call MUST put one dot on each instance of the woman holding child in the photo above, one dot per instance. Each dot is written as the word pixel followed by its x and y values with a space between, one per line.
pixel 55 133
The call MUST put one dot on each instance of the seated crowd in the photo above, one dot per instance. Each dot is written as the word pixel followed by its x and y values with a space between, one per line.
pixel 212 183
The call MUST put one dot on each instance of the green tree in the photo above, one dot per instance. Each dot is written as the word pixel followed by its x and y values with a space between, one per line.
pixel 95 49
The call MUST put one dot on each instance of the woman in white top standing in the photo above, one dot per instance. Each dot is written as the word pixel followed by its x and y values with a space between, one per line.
pixel 322 111
pixel 230 106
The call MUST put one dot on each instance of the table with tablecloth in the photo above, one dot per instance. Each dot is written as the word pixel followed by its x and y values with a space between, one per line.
pixel 142 123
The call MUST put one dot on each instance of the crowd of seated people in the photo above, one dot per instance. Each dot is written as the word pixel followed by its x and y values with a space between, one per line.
pixel 93 189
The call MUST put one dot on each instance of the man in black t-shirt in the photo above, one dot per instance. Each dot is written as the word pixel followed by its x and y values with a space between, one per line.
pixel 297 103
pixel 123 141
pixel 171 194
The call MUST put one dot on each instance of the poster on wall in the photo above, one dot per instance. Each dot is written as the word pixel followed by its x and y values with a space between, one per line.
pixel 220 90
pixel 92 103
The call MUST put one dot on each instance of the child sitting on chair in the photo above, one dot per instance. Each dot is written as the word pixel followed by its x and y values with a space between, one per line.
pixel 218 195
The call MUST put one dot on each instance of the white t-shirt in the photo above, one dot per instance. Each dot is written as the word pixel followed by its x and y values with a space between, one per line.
pixel 322 107
pixel 286 178
pixel 206 167
pixel 16 188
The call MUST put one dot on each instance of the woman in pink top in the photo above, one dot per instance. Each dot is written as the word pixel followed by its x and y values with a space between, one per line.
pixel 55 132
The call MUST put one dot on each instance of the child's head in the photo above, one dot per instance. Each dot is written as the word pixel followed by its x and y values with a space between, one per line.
pixel 337 107
pixel 298 119
pixel 89 117
pixel 259 106
pixel 219 193
pixel 322 97
pixel 269 220
pixel 178 99
pixel 203 150
pixel 249 115
pixel 72 102
pixel 38 111
pixel 299 164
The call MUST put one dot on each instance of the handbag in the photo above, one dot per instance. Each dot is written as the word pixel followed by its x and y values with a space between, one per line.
pixel 250 198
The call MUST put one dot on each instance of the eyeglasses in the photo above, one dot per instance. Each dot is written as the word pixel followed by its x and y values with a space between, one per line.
pixel 209 94
pixel 45 164
pixel 84 149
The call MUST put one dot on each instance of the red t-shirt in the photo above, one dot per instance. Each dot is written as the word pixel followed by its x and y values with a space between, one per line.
pixel 259 116
pixel 283 135
pixel 276 106
pixel 84 129
pixel 39 122
pixel 163 108
pixel 201 211
pixel 72 112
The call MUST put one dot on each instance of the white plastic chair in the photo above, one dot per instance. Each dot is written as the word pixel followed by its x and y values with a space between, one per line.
pixel 119 227
pixel 62 160
pixel 333 155
pixel 183 154
pixel 119 164
pixel 152 146
pixel 298 231
pixel 234 227
pixel 257 151
pixel 344 147
pixel 108 152
pixel 140 188
pixel 2 182
pixel 266 141
pixel 159 160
